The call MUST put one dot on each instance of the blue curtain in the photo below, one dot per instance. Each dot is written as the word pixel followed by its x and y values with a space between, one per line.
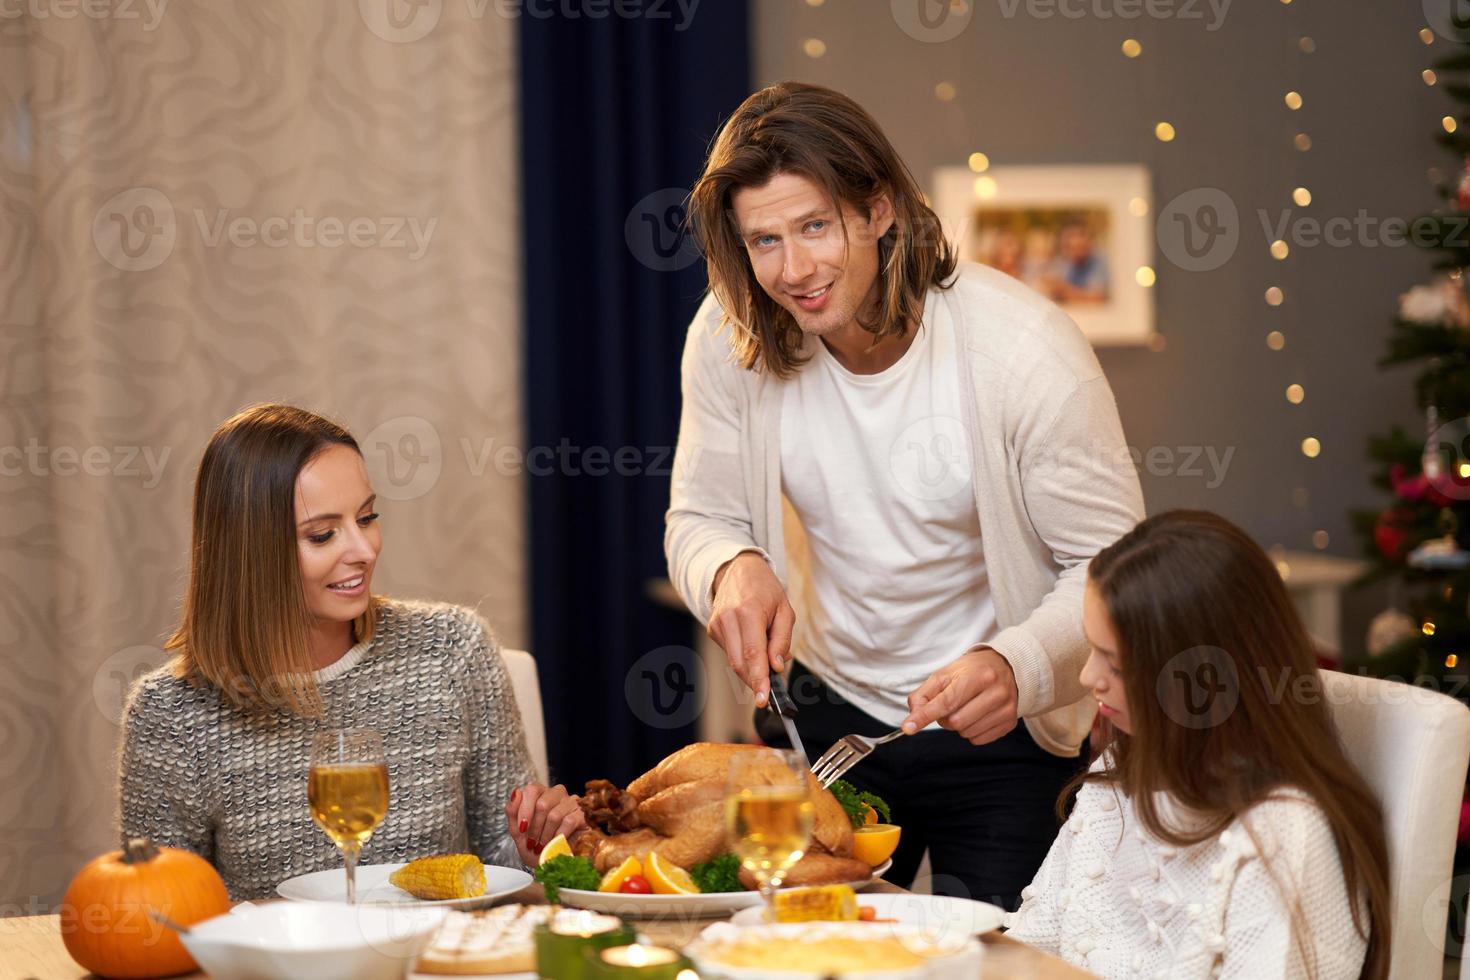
pixel 617 114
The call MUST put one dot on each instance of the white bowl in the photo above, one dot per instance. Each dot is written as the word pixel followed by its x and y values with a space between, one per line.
pixel 952 955
pixel 292 940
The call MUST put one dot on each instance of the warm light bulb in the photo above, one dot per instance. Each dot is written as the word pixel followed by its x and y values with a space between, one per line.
pixel 1429 76
pixel 1311 447
pixel 1276 340
pixel 1295 394
pixel 979 162
pixel 1301 196
pixel 945 91
pixel 1449 124
pixel 1303 142
pixel 1307 45
pixel 1427 629
pixel 1138 207
pixel 1274 296
pixel 985 188
pixel 1279 249
pixel 1452 661
pixel 1320 539
pixel 814 47
pixel 1426 35
pixel 1144 276
pixel 1164 132
pixel 1293 100
pixel 1132 48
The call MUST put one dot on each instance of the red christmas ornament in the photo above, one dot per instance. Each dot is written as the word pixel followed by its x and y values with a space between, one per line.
pixel 1391 533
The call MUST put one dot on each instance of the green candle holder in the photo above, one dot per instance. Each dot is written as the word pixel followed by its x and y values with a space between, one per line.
pixel 562 943
pixel 635 962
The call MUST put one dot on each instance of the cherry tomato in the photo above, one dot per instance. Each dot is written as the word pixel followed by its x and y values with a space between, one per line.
pixel 636 885
pixel 866 913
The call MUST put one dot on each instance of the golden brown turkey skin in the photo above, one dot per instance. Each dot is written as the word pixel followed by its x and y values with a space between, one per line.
pixel 681 814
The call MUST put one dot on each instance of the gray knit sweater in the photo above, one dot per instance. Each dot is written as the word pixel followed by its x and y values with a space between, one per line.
pixel 199 774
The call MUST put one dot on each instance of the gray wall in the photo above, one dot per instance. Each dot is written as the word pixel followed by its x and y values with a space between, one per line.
pixel 1037 89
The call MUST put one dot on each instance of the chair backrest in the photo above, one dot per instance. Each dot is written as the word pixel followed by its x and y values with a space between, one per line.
pixel 522 669
pixel 1411 745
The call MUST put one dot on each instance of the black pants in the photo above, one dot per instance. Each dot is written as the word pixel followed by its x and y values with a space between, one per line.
pixel 986 813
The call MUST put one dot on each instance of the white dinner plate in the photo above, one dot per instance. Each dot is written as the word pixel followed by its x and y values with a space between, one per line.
pixel 373 887
pixel 931 913
pixel 678 906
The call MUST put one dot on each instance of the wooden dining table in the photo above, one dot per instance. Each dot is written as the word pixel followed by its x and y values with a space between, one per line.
pixel 31 947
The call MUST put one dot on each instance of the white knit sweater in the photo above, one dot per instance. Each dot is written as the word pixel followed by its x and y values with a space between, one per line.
pixel 1115 900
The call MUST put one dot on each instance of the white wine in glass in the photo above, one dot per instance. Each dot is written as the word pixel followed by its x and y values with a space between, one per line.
pixel 768 814
pixel 348 791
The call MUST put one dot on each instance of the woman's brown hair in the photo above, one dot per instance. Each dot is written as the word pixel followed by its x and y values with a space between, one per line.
pixel 826 137
pixel 1225 701
pixel 245 627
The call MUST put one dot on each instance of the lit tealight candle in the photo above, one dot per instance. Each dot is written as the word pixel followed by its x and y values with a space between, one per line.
pixel 562 945
pixel 638 961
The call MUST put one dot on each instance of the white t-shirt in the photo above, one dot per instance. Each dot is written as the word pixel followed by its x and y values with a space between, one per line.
pixel 877 469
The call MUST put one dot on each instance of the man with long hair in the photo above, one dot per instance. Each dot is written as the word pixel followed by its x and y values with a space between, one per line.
pixel 892 471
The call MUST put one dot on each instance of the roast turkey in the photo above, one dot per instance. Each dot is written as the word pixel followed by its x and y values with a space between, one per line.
pixel 678 809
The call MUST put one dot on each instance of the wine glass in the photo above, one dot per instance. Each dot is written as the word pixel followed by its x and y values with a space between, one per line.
pixel 768 814
pixel 348 791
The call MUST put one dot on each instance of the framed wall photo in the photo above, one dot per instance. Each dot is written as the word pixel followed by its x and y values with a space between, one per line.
pixel 1079 235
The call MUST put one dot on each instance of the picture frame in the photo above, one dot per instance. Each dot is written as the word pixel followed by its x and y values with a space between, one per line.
pixel 1079 234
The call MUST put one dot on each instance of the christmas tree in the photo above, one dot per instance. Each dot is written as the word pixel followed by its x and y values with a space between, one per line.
pixel 1421 540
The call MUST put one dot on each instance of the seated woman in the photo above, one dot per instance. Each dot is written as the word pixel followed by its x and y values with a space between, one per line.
pixel 1223 832
pixel 281 637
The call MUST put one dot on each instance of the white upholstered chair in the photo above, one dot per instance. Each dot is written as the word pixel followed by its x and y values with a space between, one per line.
pixel 1412 746
pixel 522 669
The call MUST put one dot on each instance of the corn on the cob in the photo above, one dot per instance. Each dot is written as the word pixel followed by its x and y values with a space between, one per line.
pixel 822 903
pixel 442 876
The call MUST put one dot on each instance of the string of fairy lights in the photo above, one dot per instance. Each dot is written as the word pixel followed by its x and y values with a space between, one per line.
pixel 1165 131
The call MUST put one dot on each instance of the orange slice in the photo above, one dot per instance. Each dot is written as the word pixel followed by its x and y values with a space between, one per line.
pixel 613 880
pixel 875 843
pixel 666 878
pixel 558 847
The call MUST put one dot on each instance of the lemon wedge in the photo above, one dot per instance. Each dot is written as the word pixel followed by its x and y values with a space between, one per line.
pixel 666 878
pixel 875 843
pixel 558 847
pixel 613 880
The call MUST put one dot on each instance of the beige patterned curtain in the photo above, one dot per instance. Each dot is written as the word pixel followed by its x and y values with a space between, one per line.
pixel 208 203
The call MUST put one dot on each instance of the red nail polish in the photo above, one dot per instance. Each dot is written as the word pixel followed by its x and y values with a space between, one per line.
pixel 524 825
pixel 515 795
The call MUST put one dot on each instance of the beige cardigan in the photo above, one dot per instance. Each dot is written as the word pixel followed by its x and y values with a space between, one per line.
pixel 1053 479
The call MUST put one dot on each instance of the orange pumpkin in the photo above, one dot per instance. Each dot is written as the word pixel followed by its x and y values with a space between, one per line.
pixel 104 915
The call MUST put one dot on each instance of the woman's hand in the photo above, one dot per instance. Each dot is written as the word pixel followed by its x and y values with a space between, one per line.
pixel 535 814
